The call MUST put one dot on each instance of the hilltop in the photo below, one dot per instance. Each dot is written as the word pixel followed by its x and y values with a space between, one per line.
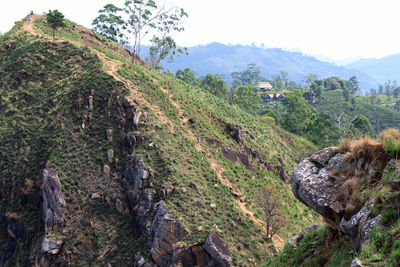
pixel 103 160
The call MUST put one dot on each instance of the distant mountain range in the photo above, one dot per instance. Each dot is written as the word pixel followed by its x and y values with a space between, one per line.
pixel 383 69
pixel 224 59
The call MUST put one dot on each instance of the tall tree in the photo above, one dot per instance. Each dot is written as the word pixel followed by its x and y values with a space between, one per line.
pixel 310 78
pixel 214 84
pixel 110 23
pixel 188 76
pixel 270 205
pixel 249 76
pixel 298 114
pixel 56 20
pixel 353 85
pixel 164 46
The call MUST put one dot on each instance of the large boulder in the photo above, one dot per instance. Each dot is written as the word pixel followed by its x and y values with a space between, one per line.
pixel 165 232
pixel 53 201
pixel 218 250
pixel 315 184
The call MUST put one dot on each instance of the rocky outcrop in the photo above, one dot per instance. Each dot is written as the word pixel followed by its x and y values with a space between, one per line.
pixel 53 213
pixel 316 186
pixel 164 233
pixel 128 142
pixel 236 132
pixel 318 181
pixel 218 250
pixel 14 232
pixel 136 182
pixel 53 201
pixel 357 228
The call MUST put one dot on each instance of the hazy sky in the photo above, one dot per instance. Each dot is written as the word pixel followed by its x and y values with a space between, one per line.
pixel 336 29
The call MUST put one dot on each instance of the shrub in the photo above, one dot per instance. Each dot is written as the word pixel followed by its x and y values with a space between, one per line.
pixel 391 141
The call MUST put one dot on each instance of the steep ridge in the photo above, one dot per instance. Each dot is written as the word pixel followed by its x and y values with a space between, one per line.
pixel 66 108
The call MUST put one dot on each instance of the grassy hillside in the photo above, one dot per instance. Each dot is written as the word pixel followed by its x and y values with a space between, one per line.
pixel 46 122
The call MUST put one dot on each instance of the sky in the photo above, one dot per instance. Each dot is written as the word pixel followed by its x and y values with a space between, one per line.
pixel 336 30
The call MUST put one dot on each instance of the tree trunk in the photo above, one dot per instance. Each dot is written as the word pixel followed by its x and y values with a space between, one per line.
pixel 135 48
pixel 54 34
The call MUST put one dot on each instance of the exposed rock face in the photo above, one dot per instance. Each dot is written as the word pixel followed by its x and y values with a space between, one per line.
pixel 315 186
pixel 359 225
pixel 136 181
pixel 192 256
pixel 53 201
pixel 217 249
pixel 165 232
pixel 317 182
pixel 15 232
pixel 51 246
pixel 136 173
pixel 128 142
pixel 236 133
pixel 53 214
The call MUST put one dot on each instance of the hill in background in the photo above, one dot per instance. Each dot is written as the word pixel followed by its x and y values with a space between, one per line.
pixel 382 69
pixel 224 59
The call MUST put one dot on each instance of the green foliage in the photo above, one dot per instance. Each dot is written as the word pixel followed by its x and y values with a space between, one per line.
pixel 353 85
pixel 312 251
pixel 298 114
pixel 362 126
pixel 188 76
pixel 161 48
pixel 43 106
pixel 110 24
pixel 55 19
pixel 342 112
pixel 214 84
pixel 247 99
pixel 250 76
pixel 310 78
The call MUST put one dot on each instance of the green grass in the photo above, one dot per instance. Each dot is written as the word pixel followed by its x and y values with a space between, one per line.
pixel 41 124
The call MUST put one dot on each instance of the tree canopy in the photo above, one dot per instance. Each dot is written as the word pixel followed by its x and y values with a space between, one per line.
pixel 55 19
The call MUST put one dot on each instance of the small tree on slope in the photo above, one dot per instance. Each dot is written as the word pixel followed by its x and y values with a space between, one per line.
pixel 55 19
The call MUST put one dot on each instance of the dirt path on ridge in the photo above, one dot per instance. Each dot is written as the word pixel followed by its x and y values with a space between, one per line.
pixel 111 68
pixel 219 170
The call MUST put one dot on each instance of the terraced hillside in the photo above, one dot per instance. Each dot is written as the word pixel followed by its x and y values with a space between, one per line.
pixel 77 108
